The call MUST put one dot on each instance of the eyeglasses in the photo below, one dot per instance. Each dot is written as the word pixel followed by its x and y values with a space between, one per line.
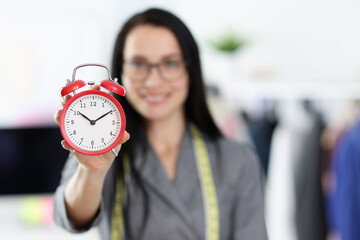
pixel 170 69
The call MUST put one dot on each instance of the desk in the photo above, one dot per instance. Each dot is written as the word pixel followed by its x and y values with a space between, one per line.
pixel 29 217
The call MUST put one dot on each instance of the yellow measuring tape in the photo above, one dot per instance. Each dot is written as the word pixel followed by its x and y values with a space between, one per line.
pixel 208 189
pixel 117 218
pixel 211 209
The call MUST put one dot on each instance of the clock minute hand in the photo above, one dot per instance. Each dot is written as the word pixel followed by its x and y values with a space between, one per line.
pixel 102 116
pixel 92 122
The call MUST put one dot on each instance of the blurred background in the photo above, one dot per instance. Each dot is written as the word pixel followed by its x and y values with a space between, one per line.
pixel 282 75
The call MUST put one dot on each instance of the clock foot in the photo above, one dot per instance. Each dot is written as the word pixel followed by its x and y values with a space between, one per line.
pixel 72 152
pixel 114 152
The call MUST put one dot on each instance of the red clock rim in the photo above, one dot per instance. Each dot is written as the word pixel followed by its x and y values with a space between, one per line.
pixel 110 147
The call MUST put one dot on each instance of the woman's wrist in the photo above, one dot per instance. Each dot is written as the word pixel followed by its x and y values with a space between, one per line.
pixel 83 194
pixel 97 174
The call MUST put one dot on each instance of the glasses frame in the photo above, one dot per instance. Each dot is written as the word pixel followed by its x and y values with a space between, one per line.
pixel 155 65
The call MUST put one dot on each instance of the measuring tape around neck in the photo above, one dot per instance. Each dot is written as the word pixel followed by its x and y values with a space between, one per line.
pixel 211 209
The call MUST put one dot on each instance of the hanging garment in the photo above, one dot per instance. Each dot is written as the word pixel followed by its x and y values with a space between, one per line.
pixel 310 219
pixel 280 192
pixel 294 206
pixel 343 210
pixel 261 131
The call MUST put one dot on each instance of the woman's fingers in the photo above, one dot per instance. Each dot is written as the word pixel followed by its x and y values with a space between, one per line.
pixel 57 116
pixel 96 87
pixel 125 137
pixel 65 99
pixel 66 146
pixel 123 140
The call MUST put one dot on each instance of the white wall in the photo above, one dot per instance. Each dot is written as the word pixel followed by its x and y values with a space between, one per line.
pixel 40 44
pixel 299 41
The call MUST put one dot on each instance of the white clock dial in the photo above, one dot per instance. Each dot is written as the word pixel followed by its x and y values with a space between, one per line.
pixel 92 122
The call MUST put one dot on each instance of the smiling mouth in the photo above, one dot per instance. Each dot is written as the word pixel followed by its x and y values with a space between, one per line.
pixel 155 98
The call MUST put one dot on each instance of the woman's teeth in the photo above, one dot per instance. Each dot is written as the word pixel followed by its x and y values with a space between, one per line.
pixel 155 98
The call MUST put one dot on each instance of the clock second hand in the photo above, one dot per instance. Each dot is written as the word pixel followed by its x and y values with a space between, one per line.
pixel 92 122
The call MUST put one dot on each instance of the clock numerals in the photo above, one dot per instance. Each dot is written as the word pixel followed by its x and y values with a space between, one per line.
pixel 103 103
pixel 101 113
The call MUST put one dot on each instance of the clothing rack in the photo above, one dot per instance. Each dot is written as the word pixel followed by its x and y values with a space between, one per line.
pixel 341 90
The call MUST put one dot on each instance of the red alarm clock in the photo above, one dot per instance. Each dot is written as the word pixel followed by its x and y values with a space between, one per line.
pixel 92 121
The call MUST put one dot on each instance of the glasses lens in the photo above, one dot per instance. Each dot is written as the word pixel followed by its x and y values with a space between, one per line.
pixel 136 69
pixel 172 68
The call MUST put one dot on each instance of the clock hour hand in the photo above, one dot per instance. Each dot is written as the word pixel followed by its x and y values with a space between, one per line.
pixel 102 116
pixel 92 122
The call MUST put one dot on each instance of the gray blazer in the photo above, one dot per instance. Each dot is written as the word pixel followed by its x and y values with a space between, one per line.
pixel 176 207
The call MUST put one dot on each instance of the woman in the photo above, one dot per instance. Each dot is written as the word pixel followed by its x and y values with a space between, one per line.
pixel 178 177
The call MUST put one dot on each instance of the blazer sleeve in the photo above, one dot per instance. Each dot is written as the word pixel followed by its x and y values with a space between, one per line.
pixel 249 205
pixel 60 213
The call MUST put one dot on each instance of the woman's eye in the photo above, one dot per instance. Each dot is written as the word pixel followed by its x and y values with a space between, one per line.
pixel 138 64
pixel 172 63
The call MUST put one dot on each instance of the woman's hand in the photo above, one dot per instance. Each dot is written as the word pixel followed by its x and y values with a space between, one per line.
pixel 92 163
pixel 82 193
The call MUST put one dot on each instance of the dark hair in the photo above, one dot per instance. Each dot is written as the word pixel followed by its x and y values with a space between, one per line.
pixel 196 109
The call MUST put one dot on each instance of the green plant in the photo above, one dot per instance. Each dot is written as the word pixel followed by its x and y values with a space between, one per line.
pixel 228 42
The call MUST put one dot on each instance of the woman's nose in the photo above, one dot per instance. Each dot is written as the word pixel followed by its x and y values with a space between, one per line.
pixel 154 77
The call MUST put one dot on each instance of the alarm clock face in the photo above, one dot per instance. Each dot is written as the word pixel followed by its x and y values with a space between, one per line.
pixel 92 122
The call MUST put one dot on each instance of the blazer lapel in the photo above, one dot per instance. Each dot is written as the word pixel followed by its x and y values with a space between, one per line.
pixel 155 177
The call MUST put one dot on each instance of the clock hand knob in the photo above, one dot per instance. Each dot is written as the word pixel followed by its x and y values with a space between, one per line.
pixel 92 122
pixel 103 115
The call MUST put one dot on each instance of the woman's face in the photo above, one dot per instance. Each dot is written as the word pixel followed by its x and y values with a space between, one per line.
pixel 160 93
